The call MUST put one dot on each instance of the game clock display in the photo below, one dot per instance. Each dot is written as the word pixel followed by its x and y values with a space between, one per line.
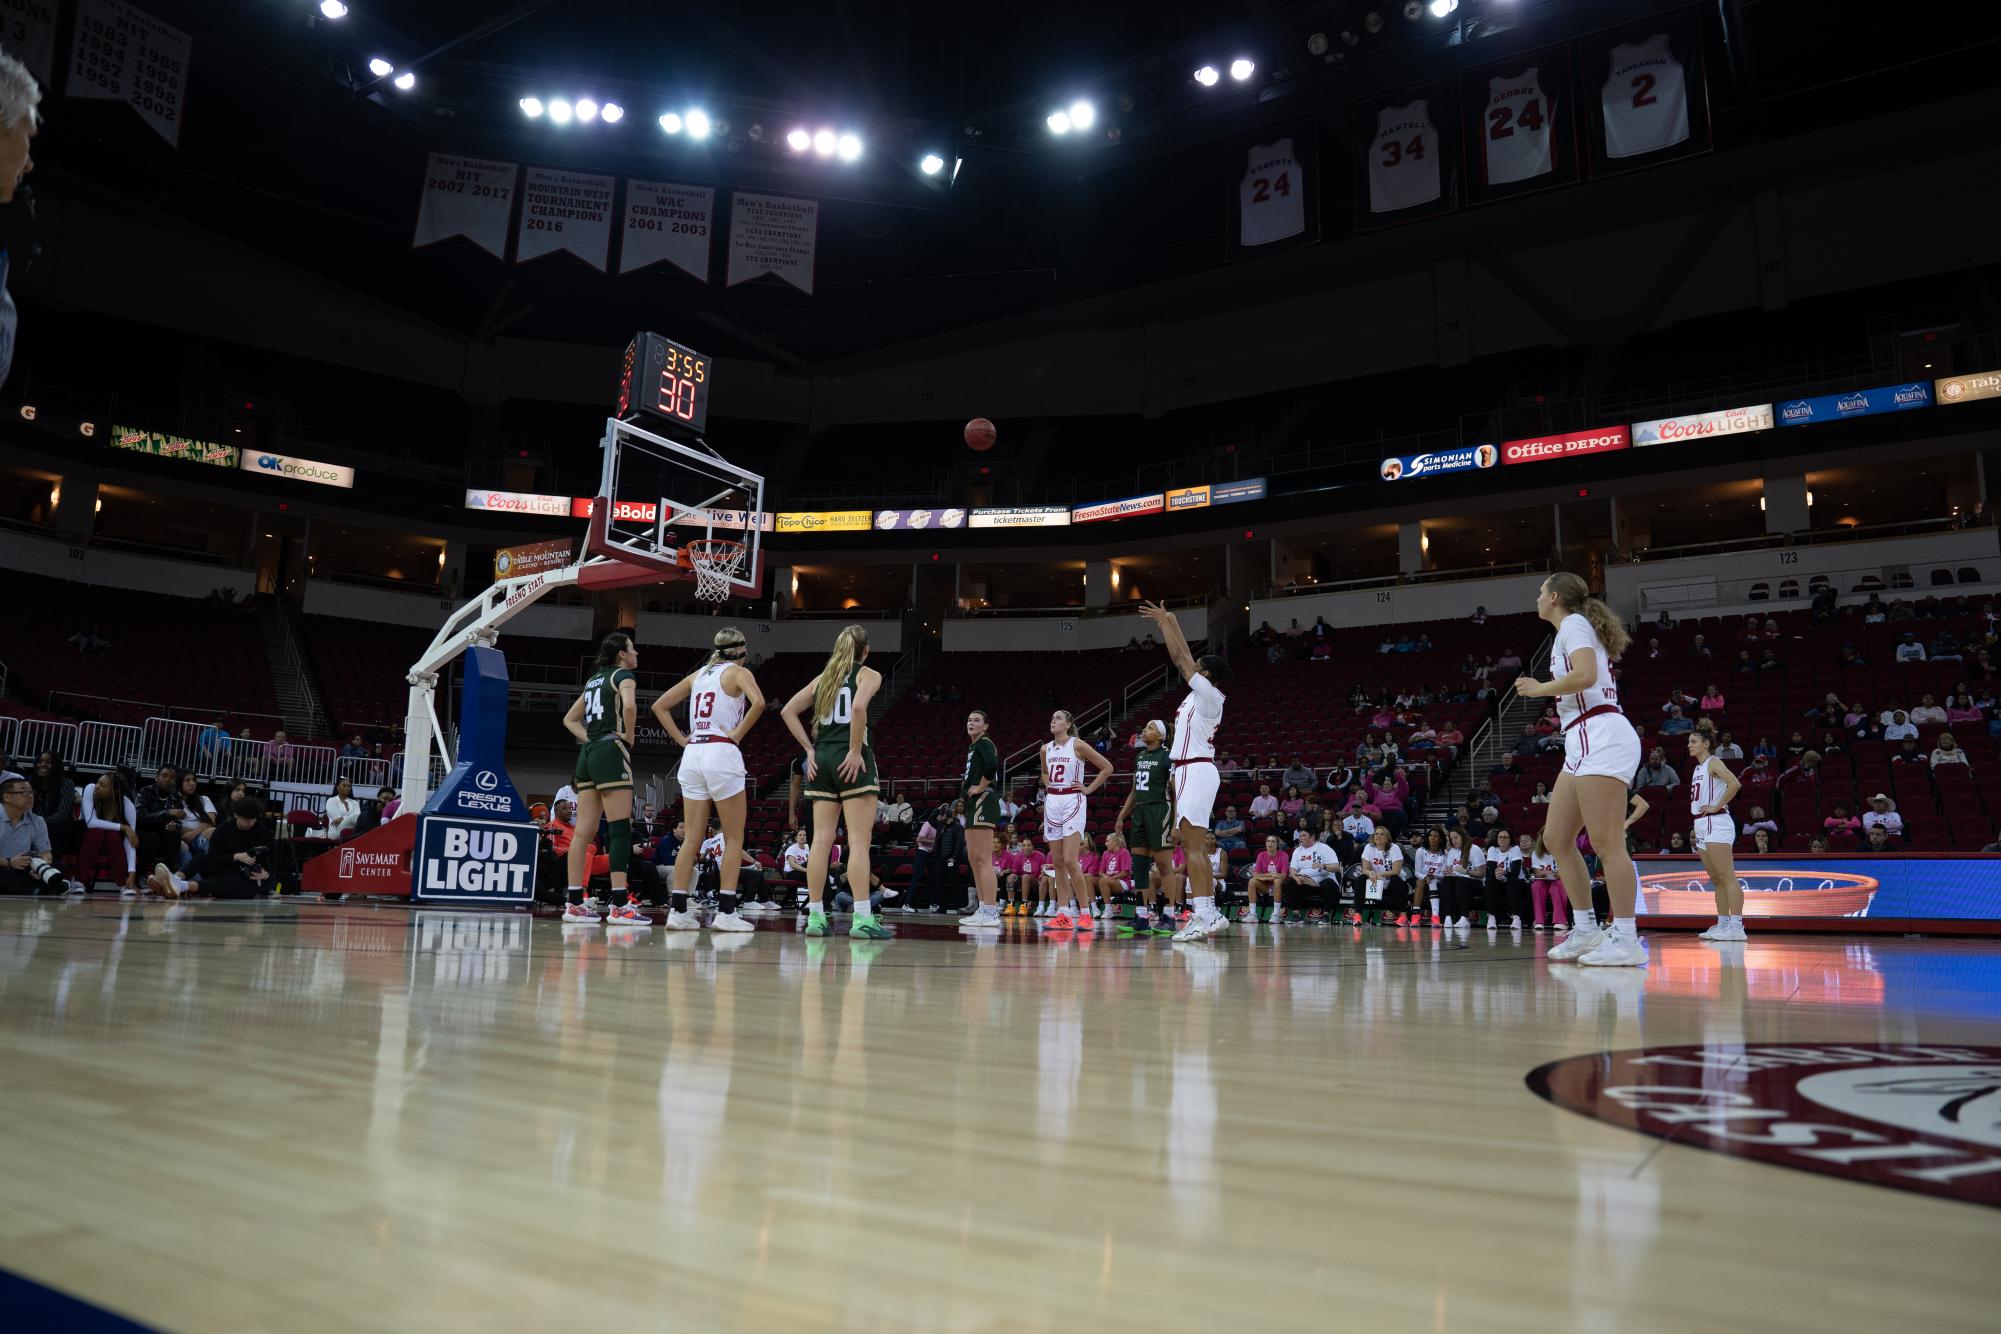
pixel 663 379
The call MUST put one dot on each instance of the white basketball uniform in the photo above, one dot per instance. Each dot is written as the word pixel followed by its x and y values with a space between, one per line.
pixel 1194 753
pixel 1598 741
pixel 1430 868
pixel 1645 99
pixel 712 766
pixel 1063 803
pixel 1379 860
pixel 1403 159
pixel 1706 789
pixel 1271 203
pixel 1516 138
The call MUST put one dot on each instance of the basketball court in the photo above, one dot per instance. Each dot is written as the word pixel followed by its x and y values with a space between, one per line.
pixel 330 1118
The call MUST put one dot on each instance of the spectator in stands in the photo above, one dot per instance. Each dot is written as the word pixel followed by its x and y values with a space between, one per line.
pixel 1541 796
pixel 1340 777
pixel 1806 770
pixel 1656 772
pixel 1816 844
pixel 1850 658
pixel 198 820
pixel 1422 737
pixel 1909 649
pixel 1677 842
pixel 1765 748
pixel 1509 661
pixel 1744 665
pixel 1264 805
pixel 1830 745
pixel 1841 821
pixel 1297 775
pixel 355 749
pixel 27 864
pixel 1389 644
pixel 1900 728
pixel 1314 814
pixel 1728 749
pixel 1712 699
pixel 1676 724
pixel 1479 616
pixel 895 815
pixel 1771 662
pixel 1928 711
pixel 281 753
pixel 1901 610
pixel 1983 666
pixel 1946 648
pixel 1764 842
pixel 1873 611
pixel 1485 669
pixel 159 818
pixel 1829 710
pixel 1529 742
pixel 1322 649
pixel 1391 800
pixel 87 641
pixel 1882 811
pixel 1264 634
pixel 1795 745
pixel 236 865
pixel 1947 751
pixel 1228 767
pixel 1230 831
pixel 1760 820
pixel 1451 738
pixel 390 800
pixel 1760 773
pixel 343 811
pixel 1368 751
pixel 1963 710
pixel 1880 840
pixel 1653 648
pixel 212 744
pixel 56 802
pixel 1824 604
pixel 1356 827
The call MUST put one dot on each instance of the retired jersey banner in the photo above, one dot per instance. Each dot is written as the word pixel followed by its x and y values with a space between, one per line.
pixel 775 235
pixel 1543 448
pixel 1967 388
pixel 469 197
pixel 565 210
pixel 1703 425
pixel 28 33
pixel 669 222
pixel 918 520
pixel 825 521
pixel 1407 466
pixel 123 54
pixel 1130 507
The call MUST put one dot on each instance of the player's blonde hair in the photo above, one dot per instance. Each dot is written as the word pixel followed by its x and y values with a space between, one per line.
pixel 1069 723
pixel 1572 594
pixel 849 648
pixel 730 646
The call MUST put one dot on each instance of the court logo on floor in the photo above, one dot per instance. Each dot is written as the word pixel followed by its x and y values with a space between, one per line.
pixel 1920 1118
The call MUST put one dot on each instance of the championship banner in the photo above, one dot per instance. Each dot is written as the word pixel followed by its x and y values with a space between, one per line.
pixel 565 210
pixel 1130 507
pixel 469 197
pixel 669 222
pixel 899 520
pixel 28 33
pixel 535 558
pixel 1022 516
pixel 1407 466
pixel 518 502
pixel 123 54
pixel 1543 448
pixel 1703 425
pixel 1216 493
pixel 1967 388
pixel 826 521
pixel 162 445
pixel 774 235
pixel 299 470
pixel 1856 403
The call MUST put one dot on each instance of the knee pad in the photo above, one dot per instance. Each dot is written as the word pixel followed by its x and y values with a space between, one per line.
pixel 618 843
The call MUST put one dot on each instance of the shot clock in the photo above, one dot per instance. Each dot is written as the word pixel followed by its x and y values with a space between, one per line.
pixel 663 379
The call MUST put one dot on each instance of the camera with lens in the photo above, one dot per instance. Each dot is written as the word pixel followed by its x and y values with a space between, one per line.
pixel 48 875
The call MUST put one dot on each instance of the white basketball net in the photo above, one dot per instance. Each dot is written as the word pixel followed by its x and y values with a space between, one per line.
pixel 715 561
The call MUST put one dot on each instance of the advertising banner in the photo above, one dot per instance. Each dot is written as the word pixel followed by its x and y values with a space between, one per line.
pixel 825 521
pixel 534 558
pixel 162 445
pixel 1216 493
pixel 1406 467
pixel 1904 887
pixel 1856 403
pixel 469 197
pixel 900 520
pixel 299 470
pixel 622 511
pixel 1967 388
pixel 1022 516
pixel 1703 425
pixel 1130 507
pixel 738 519
pixel 669 222
pixel 1544 448
pixel 518 502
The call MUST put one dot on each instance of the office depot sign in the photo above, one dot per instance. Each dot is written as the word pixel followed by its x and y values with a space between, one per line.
pixel 1543 448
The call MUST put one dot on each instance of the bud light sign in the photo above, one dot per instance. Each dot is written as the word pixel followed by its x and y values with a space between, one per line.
pixel 475 861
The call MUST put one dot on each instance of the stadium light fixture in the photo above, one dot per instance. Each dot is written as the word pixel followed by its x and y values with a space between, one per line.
pixel 560 111
pixel 1440 8
pixel 379 67
pixel 531 107
pixel 406 81
pixel 587 111
pixel 798 138
pixel 825 141
pixel 1058 122
pixel 333 9
pixel 698 123
pixel 931 165
pixel 1207 76
pixel 671 122
pixel 849 146
pixel 611 113
pixel 1242 68
pixel 1082 115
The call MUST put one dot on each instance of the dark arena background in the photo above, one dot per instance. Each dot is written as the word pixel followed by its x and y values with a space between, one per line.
pixel 928 666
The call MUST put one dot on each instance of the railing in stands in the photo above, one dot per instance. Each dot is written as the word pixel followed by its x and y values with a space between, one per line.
pixel 10 737
pixel 213 754
pixel 437 768
pixel 367 773
pixel 1074 613
pixel 180 711
pixel 1804 537
pixel 3 680
pixel 1422 577
pixel 1897 577
pixel 1142 687
pixel 1080 725
pixel 101 746
pixel 40 734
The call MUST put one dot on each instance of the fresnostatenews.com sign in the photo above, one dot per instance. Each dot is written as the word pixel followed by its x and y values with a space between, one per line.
pixel 1703 425
pixel 1128 508
pixel 1856 403
pixel 299 470
pixel 1543 448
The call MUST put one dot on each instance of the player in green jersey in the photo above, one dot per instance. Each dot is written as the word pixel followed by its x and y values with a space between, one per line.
pixel 602 719
pixel 1150 805
pixel 840 775
pixel 980 794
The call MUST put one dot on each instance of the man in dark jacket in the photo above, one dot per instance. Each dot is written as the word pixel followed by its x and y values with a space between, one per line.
pixel 159 822
pixel 949 855
pixel 237 864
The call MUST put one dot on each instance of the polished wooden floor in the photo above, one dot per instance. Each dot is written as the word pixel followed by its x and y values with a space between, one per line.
pixel 273 1117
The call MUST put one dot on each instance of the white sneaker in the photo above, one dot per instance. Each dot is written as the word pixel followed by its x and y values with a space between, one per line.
pixel 1041 910
pixel 767 906
pixel 595 904
pixel 1201 928
pixel 983 918
pixel 1580 942
pixel 683 921
pixel 1617 952
pixel 1733 933
pixel 1715 932
pixel 580 913
pixel 1247 913
pixel 729 921
pixel 77 887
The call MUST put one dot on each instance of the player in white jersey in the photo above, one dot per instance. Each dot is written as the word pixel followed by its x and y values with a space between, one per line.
pixel 1516 139
pixel 1065 796
pixel 1601 754
pixel 1194 767
pixel 1403 158
pixel 1645 99
pixel 1711 789
pixel 724 703
pixel 1271 198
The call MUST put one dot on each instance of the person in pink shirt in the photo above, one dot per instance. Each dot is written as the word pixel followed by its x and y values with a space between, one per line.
pixel 1390 801
pixel 1115 870
pixel 1007 875
pixel 1088 861
pixel 1033 887
pixel 1268 875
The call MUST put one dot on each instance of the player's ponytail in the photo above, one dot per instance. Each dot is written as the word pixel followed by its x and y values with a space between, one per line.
pixel 729 646
pixel 849 646
pixel 615 643
pixel 1707 732
pixel 1573 595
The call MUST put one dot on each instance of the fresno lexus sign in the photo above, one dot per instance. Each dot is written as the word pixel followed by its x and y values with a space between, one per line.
pixel 1542 448
pixel 1703 425
pixel 1923 1118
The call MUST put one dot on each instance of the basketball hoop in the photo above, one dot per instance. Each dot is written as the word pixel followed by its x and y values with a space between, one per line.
pixel 715 560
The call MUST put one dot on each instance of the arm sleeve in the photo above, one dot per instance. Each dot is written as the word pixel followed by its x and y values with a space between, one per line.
pixel 1209 700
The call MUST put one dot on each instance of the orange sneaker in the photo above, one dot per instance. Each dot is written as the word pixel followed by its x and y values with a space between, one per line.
pixel 1061 922
pixel 1085 922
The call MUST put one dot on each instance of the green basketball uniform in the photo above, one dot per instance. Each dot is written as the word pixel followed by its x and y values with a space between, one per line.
pixel 831 735
pixel 604 764
pixel 1153 800
pixel 982 761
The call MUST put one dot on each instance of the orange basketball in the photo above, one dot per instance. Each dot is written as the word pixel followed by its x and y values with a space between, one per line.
pixel 980 434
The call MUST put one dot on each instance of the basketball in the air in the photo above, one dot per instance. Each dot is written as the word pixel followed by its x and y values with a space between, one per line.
pixel 980 434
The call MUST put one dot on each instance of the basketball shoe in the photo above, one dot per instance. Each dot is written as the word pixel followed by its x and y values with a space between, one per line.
pixel 683 921
pixel 1617 950
pixel 580 912
pixel 1580 942
pixel 983 918
pixel 729 921
pixel 630 913
pixel 1061 922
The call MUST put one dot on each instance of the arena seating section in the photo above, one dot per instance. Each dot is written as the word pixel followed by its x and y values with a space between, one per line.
pixel 1955 808
pixel 360 665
